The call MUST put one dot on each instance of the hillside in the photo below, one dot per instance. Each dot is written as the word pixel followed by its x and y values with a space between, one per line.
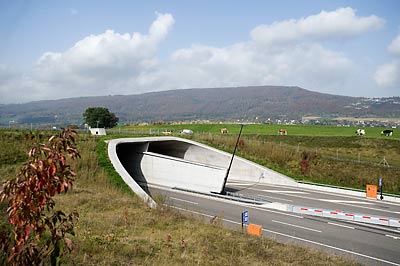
pixel 208 103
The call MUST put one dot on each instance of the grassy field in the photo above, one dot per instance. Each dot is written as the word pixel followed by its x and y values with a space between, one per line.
pixel 117 228
pixel 264 129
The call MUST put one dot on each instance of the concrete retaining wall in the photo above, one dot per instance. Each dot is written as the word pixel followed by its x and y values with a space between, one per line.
pixel 172 172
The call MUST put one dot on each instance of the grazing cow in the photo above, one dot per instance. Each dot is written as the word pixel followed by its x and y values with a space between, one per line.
pixel 282 132
pixel 224 130
pixel 186 132
pixel 387 132
pixel 360 132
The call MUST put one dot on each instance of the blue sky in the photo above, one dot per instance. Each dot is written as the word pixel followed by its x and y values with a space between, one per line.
pixel 60 49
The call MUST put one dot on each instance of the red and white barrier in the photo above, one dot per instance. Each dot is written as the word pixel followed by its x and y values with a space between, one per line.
pixel 340 215
pixel 394 222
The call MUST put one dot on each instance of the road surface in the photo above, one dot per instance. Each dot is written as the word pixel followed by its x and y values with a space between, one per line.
pixel 368 244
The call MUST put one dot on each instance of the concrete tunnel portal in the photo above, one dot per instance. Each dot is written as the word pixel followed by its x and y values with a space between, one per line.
pixel 182 163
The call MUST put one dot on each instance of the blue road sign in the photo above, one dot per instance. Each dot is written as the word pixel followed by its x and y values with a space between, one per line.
pixel 380 181
pixel 245 217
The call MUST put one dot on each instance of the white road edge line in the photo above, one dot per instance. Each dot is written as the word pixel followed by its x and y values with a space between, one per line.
pixel 332 247
pixel 394 237
pixel 341 225
pixel 298 238
pixel 298 226
pixel 187 201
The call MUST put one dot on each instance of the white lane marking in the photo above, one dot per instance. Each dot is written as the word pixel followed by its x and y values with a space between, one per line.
pixel 394 237
pixel 187 201
pixel 284 191
pixel 388 229
pixel 263 196
pixel 341 225
pixel 298 226
pixel 297 238
pixel 347 201
pixel 332 247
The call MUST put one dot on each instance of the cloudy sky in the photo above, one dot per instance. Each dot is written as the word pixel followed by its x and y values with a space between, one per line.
pixel 61 49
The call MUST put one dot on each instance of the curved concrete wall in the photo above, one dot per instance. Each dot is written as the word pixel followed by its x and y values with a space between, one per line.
pixel 182 163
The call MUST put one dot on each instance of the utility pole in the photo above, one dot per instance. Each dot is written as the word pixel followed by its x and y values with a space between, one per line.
pixel 230 164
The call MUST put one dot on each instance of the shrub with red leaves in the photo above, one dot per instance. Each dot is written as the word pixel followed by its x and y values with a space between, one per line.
pixel 37 230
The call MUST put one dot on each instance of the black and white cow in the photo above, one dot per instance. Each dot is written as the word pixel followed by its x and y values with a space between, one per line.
pixel 387 132
pixel 360 132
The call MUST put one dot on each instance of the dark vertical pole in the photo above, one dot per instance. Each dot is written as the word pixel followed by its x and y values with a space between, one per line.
pixel 230 164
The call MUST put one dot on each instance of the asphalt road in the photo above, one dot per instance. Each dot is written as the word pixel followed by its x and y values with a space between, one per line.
pixel 368 244
pixel 319 199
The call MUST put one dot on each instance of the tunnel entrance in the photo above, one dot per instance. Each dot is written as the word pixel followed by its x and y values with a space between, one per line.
pixel 171 148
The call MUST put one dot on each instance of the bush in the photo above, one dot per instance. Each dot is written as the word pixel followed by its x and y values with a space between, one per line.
pixel 36 231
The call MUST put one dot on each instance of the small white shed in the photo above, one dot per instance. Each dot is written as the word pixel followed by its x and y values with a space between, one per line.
pixel 98 131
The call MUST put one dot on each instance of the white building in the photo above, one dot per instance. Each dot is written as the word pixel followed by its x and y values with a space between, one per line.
pixel 98 131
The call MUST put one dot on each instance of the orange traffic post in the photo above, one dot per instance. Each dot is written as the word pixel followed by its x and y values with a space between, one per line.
pixel 372 191
pixel 254 229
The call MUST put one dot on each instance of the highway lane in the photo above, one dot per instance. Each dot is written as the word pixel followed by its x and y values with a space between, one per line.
pixel 371 245
pixel 319 199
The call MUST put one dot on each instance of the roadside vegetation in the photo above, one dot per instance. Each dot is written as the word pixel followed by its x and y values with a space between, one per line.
pixel 117 228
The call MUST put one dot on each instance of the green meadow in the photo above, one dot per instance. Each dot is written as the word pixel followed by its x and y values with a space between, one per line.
pixel 265 129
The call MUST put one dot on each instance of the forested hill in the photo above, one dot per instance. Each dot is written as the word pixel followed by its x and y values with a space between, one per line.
pixel 208 103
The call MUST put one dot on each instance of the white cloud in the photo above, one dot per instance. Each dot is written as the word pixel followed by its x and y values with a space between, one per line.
pixel 114 63
pixel 341 23
pixel 248 64
pixel 388 75
pixel 73 11
pixel 394 47
pixel 104 62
